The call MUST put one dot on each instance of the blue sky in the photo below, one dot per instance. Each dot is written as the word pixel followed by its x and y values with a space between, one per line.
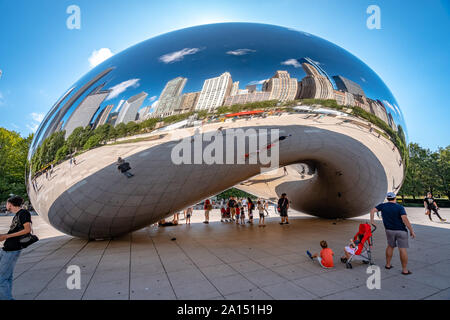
pixel 41 58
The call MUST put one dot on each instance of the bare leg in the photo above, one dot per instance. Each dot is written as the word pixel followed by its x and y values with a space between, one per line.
pixel 389 253
pixel 404 259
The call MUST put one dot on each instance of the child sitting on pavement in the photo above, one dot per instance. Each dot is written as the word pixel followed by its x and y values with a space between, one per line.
pixel 325 257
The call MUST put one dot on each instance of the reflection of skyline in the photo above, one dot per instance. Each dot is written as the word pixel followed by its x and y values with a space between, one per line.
pixel 83 114
pixel 147 73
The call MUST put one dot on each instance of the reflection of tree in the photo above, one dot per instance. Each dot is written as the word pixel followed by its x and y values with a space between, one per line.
pixel 233 192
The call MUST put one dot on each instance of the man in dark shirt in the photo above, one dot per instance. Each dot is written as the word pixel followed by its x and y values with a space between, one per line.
pixel 232 205
pixel 431 205
pixel 395 223
pixel 283 206
pixel 21 225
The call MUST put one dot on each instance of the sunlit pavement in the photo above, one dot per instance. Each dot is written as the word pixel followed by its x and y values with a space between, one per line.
pixel 229 261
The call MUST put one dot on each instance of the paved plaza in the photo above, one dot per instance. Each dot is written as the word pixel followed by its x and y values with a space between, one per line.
pixel 229 261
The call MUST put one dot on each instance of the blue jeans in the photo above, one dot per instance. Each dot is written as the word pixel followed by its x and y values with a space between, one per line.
pixel 8 261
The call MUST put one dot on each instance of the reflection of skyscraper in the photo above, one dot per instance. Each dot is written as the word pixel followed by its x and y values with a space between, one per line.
pixel 83 114
pixel 103 116
pixel 251 88
pixel 346 85
pixel 319 69
pixel 315 85
pixel 281 86
pixel 130 108
pixel 188 102
pixel 143 113
pixel 170 98
pixel 235 89
pixel 214 92
pixel 247 98
pixel 112 118
pixel 62 112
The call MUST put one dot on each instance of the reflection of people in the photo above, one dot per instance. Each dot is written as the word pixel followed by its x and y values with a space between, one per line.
pixel 124 167
pixel 163 223
pixel 283 206
pixel 395 222
pixel 261 209
pixel 431 205
pixel 21 225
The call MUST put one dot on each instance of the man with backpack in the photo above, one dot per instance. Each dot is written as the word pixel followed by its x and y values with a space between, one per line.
pixel 20 226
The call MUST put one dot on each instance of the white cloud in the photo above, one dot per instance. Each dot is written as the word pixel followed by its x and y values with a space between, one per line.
pixel 33 127
pixel 257 82
pixel 121 87
pixel 98 56
pixel 38 117
pixel 2 101
pixel 178 55
pixel 151 99
pixel 240 52
pixel 292 62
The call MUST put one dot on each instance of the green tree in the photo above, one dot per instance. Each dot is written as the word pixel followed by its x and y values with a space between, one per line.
pixel 13 161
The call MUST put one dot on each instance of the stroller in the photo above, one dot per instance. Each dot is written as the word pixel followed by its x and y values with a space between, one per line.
pixel 364 249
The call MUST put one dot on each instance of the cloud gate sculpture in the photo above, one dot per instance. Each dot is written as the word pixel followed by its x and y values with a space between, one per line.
pixel 192 112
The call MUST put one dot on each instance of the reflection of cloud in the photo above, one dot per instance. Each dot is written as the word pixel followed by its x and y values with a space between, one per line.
pixel 121 87
pixel 257 82
pixel 119 105
pixel 1 72
pixel 363 80
pixel 98 56
pixel 151 99
pixel 392 107
pixel 178 55
pixel 240 52
pixel 2 101
pixel 291 62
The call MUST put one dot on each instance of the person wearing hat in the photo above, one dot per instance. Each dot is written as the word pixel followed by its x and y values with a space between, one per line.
pixel 395 223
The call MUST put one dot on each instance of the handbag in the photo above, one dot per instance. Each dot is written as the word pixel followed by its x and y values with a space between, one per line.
pixel 27 239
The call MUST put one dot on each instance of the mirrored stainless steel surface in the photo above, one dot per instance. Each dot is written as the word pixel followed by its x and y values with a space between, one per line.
pixel 345 135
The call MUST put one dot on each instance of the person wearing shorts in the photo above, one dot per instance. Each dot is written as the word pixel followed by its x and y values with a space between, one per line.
pixel 431 206
pixel 325 257
pixel 283 206
pixel 396 224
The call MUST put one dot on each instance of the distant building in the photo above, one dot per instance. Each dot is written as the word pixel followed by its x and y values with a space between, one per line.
pixel 188 102
pixel 112 118
pixel 170 98
pixel 247 98
pixel 346 85
pixel 315 85
pixel 392 122
pixel 103 116
pixel 235 89
pixel 214 92
pixel 143 113
pixel 281 86
pixel 84 113
pixel 251 88
pixel 344 98
pixel 130 108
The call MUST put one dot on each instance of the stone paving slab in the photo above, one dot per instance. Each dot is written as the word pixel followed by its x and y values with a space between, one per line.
pixel 229 261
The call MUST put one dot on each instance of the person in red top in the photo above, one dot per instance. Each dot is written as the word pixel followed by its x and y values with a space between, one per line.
pixel 325 257
pixel 207 208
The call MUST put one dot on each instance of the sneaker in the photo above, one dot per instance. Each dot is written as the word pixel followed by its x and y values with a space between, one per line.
pixel 286 222
pixel 281 223
pixel 443 220
pixel 309 255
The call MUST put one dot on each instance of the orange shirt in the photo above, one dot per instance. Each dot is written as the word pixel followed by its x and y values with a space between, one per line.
pixel 327 257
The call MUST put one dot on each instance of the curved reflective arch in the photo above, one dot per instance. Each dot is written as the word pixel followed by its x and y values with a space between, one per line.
pixel 338 130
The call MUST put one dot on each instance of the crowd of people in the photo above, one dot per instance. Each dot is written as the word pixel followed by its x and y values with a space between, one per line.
pixel 241 211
